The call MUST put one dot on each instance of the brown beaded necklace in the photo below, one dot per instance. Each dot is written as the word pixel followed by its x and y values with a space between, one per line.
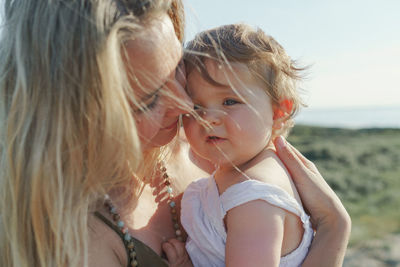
pixel 124 229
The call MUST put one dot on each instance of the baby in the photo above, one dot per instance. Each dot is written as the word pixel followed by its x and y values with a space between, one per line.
pixel 248 212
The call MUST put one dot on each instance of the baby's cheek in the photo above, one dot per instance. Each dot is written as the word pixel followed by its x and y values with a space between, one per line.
pixel 189 125
pixel 254 131
pixel 186 120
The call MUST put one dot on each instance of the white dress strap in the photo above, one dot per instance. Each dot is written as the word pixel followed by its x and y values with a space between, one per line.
pixel 250 190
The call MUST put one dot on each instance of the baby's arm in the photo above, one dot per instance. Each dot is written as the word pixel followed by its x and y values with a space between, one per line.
pixel 176 253
pixel 254 234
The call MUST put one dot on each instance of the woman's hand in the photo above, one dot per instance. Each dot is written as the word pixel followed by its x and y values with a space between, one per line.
pixel 321 202
pixel 176 253
pixel 329 217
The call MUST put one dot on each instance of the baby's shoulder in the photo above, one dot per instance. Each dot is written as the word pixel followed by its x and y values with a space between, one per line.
pixel 198 184
pixel 269 169
pixel 196 189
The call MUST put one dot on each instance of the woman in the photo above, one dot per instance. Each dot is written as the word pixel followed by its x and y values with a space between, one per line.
pixel 72 74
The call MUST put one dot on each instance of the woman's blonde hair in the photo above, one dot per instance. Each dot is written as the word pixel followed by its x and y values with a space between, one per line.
pixel 67 133
pixel 265 58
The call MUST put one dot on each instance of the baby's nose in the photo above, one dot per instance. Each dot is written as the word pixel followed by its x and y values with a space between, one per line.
pixel 213 116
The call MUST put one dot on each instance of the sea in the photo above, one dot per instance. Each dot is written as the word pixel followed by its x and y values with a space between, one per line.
pixel 351 118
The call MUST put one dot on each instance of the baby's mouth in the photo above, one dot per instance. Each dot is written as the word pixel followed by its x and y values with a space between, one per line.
pixel 214 139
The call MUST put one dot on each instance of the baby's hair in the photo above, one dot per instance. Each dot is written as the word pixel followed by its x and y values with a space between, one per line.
pixel 262 54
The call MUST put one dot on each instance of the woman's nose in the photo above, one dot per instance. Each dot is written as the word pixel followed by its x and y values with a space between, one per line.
pixel 179 102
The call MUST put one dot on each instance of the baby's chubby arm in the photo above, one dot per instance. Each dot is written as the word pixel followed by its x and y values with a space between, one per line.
pixel 254 234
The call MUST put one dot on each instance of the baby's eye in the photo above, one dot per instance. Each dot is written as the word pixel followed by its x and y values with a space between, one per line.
pixel 230 102
pixel 196 107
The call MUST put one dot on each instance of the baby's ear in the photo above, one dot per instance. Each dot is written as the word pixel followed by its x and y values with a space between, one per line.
pixel 283 109
pixel 281 112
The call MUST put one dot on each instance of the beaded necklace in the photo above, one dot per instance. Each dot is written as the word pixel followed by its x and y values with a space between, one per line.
pixel 124 229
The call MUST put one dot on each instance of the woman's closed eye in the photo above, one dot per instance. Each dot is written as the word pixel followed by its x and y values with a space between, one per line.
pixel 150 103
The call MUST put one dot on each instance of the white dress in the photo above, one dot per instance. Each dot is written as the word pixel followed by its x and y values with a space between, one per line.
pixel 203 211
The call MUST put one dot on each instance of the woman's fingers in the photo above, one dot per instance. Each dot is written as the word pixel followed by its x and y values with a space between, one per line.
pixel 317 196
pixel 303 171
pixel 303 159
pixel 293 160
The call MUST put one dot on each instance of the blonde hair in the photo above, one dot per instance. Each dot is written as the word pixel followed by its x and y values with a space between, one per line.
pixel 265 58
pixel 67 133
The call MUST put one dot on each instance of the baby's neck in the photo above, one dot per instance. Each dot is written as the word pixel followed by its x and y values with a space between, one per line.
pixel 229 174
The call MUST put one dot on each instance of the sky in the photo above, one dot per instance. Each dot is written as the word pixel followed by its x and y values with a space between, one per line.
pixel 351 46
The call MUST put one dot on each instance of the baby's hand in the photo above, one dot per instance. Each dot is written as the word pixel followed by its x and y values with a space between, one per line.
pixel 176 253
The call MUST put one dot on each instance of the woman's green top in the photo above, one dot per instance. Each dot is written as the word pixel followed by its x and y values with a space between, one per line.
pixel 145 256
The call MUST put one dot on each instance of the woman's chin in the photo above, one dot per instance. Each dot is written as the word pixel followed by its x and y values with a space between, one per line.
pixel 162 138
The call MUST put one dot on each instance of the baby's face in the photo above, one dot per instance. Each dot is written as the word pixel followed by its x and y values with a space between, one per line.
pixel 240 113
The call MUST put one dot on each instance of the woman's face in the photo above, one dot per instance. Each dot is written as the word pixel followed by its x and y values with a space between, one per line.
pixel 154 59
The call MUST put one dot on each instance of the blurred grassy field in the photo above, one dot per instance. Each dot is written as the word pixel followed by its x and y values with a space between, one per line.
pixel 363 167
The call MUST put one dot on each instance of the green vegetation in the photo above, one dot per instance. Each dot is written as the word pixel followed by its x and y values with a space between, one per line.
pixel 363 167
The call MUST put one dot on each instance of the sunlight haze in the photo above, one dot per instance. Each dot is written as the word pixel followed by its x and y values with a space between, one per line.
pixel 353 47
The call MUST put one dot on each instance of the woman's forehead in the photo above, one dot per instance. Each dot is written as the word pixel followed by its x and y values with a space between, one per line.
pixel 154 55
pixel 157 41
